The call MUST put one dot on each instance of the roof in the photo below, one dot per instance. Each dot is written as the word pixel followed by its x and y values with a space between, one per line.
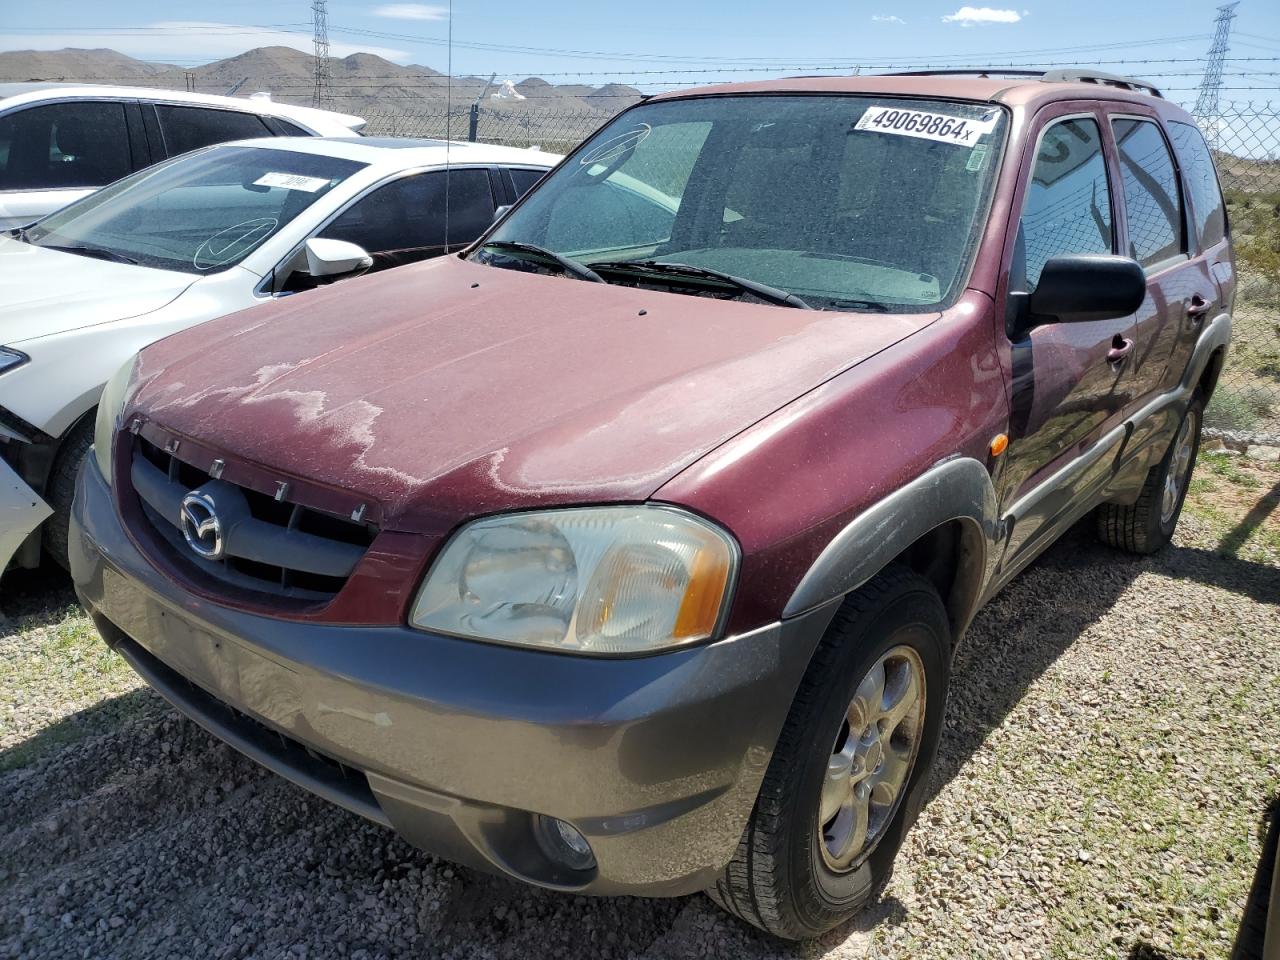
pixel 322 121
pixel 402 152
pixel 1012 91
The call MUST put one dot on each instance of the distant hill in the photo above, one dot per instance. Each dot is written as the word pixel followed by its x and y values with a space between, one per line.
pixel 361 83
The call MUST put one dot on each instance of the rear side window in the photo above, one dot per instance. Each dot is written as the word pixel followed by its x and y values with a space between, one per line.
pixel 404 221
pixel 1202 181
pixel 1152 200
pixel 525 179
pixel 63 145
pixel 190 128
pixel 1068 204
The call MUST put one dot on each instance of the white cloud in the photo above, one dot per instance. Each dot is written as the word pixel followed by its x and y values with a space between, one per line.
pixel 968 16
pixel 186 41
pixel 411 11
pixel 891 18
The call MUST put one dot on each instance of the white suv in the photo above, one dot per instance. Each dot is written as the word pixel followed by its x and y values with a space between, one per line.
pixel 60 142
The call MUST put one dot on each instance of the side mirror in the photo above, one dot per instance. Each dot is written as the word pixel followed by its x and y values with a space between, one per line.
pixel 332 258
pixel 1087 286
pixel 501 212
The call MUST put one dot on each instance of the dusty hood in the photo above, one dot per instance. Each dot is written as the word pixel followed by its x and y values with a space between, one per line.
pixel 43 292
pixel 448 389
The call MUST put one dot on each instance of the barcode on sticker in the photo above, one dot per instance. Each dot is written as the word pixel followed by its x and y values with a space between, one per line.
pixel 963 131
pixel 291 181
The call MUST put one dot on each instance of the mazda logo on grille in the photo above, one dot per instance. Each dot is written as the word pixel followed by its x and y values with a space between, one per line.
pixel 201 527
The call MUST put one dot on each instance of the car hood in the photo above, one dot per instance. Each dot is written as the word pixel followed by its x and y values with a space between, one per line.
pixel 449 389
pixel 45 292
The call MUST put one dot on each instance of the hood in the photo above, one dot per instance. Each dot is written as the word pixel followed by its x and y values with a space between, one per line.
pixel 448 389
pixel 44 292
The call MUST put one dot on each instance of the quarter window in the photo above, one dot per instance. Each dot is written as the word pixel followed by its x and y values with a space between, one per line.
pixel 63 145
pixel 525 179
pixel 1152 200
pixel 1068 205
pixel 190 128
pixel 405 221
pixel 1202 183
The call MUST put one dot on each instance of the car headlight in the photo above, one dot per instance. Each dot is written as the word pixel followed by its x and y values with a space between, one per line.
pixel 10 358
pixel 588 580
pixel 110 406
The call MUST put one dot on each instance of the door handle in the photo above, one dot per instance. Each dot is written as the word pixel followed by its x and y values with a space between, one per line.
pixel 1197 307
pixel 1121 347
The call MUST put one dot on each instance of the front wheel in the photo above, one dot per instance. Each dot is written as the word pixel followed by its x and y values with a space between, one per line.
pixel 848 775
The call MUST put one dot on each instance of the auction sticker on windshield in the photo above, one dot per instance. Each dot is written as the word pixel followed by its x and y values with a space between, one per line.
pixel 291 181
pixel 962 131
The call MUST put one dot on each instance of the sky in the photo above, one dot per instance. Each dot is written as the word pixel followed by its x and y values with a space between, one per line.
pixel 659 44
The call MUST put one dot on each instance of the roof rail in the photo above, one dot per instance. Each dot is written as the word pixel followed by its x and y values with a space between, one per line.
pixel 1105 79
pixel 1048 76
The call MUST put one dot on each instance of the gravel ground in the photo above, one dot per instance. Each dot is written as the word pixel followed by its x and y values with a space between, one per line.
pixel 1111 742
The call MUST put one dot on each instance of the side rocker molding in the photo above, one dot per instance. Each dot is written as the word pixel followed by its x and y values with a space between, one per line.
pixel 957 489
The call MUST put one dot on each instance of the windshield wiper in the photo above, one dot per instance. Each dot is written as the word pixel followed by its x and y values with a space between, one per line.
pixel 85 250
pixel 569 266
pixel 761 290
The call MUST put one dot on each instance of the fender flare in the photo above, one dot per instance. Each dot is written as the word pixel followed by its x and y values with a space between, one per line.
pixel 956 489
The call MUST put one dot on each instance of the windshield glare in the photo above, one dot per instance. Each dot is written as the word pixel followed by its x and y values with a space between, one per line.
pixel 200 213
pixel 849 202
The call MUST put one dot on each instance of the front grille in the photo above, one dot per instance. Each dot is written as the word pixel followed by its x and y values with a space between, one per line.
pixel 271 545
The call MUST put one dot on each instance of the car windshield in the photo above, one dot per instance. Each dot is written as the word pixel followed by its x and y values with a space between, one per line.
pixel 199 213
pixel 834 202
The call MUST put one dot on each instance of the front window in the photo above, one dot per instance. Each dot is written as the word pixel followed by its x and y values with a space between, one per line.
pixel 835 202
pixel 200 214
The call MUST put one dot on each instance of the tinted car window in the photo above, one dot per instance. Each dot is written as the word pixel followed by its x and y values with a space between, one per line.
pixel 63 145
pixel 1152 200
pixel 1068 204
pixel 1202 181
pixel 525 179
pixel 404 221
pixel 190 128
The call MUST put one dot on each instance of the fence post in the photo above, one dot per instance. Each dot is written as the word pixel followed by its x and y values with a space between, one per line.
pixel 475 122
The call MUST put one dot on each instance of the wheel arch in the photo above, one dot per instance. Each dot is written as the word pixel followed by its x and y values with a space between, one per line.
pixel 943 525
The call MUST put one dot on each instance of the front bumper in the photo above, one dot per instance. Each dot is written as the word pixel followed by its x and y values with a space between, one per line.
pixel 458 744
pixel 21 511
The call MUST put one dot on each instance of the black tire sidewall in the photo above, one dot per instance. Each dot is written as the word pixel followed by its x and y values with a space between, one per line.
pixel 913 615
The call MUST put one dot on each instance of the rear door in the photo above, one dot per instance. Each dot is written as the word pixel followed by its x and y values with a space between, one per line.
pixel 52 154
pixel 1157 231
pixel 1071 382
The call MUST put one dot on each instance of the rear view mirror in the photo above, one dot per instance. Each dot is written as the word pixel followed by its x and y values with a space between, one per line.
pixel 332 258
pixel 1083 287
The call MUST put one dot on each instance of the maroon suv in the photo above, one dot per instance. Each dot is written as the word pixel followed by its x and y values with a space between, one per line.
pixel 628 552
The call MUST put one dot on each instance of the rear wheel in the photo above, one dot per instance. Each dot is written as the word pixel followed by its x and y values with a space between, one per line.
pixel 848 775
pixel 1148 524
pixel 61 489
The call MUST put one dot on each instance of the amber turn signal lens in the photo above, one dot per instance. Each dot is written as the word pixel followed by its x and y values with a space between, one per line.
pixel 999 444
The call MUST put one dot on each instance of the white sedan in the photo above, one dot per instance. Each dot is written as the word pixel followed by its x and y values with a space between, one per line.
pixel 195 238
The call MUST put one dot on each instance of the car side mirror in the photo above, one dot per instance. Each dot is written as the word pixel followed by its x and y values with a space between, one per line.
pixel 332 258
pixel 501 212
pixel 1086 286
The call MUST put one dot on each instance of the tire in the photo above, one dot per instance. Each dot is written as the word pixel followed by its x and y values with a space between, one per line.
pixel 782 878
pixel 1148 523
pixel 61 489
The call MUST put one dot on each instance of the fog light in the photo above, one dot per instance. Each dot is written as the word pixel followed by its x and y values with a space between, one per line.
pixel 563 843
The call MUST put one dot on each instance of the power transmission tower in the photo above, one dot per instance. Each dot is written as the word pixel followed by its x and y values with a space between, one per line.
pixel 320 23
pixel 1206 109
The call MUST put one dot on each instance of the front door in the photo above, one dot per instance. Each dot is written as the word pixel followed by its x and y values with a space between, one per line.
pixel 1071 383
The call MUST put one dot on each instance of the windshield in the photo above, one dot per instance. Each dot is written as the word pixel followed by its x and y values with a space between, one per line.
pixel 840 202
pixel 199 213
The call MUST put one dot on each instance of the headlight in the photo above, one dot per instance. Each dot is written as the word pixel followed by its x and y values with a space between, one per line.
pixel 592 580
pixel 10 358
pixel 110 406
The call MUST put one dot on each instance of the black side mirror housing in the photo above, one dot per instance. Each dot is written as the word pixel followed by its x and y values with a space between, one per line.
pixel 1086 286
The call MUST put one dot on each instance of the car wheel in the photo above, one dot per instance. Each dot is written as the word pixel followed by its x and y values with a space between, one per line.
pixel 849 771
pixel 1148 523
pixel 61 489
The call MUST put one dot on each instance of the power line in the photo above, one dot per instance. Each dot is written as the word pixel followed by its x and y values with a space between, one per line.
pixel 320 33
